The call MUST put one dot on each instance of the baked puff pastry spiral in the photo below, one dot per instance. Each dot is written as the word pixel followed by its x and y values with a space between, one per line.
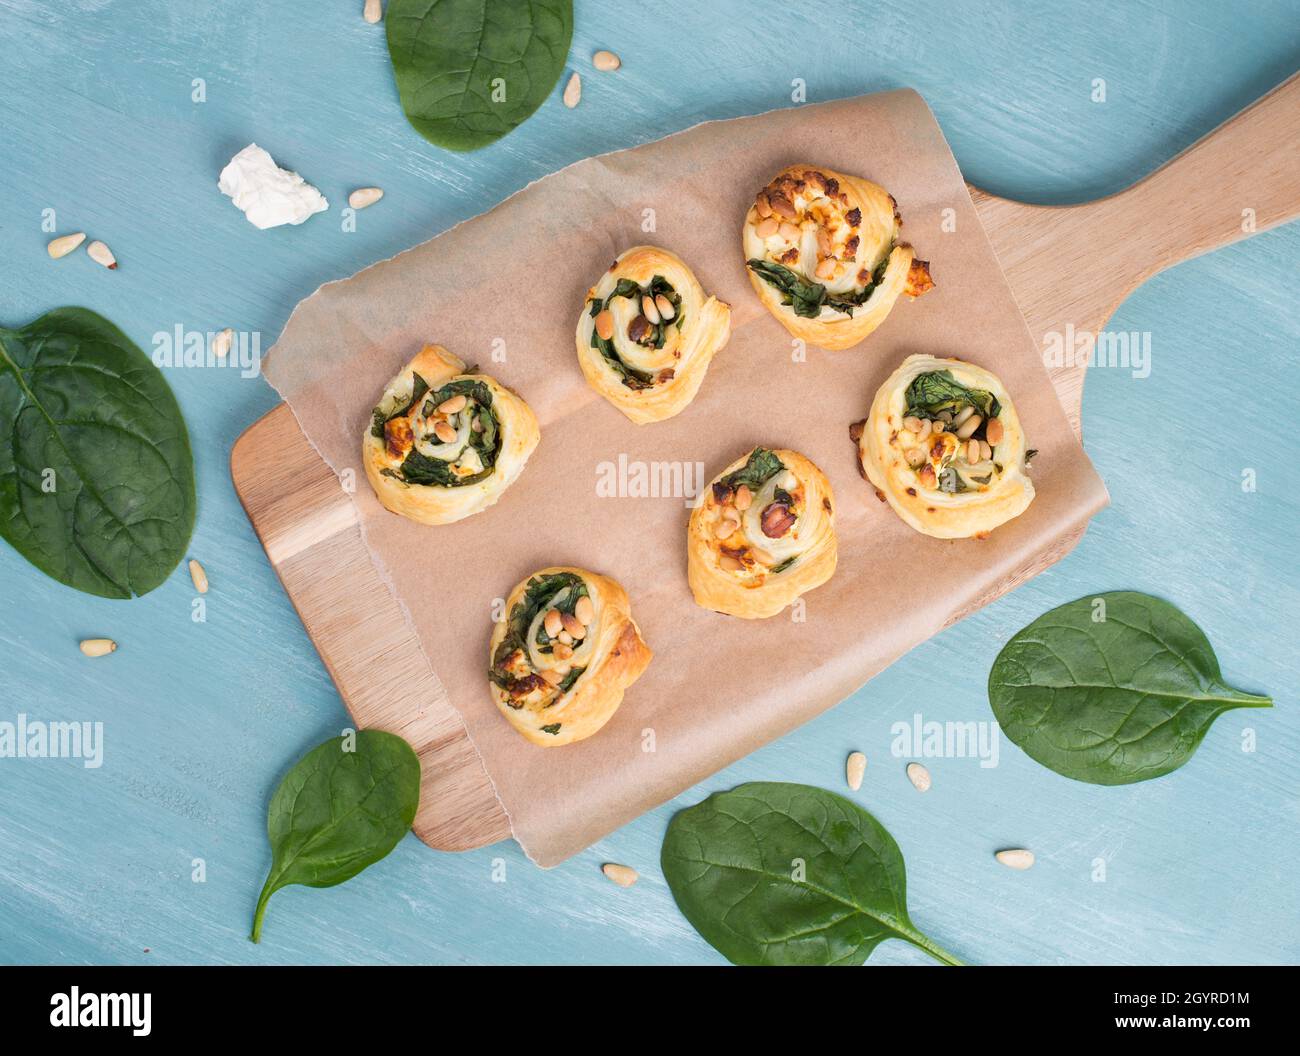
pixel 944 445
pixel 564 654
pixel 763 534
pixel 647 333
pixel 443 443
pixel 824 256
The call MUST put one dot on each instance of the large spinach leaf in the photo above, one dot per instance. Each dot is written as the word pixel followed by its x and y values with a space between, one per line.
pixel 1111 689
pixel 469 71
pixel 342 807
pixel 776 873
pixel 96 474
pixel 938 390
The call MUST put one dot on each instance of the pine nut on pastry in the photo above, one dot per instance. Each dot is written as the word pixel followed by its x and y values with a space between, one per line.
pixel 824 257
pixel 763 534
pixel 647 333
pixel 943 444
pixel 444 443
pixel 565 652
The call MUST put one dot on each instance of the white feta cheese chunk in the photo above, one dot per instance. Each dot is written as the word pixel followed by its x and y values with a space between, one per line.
pixel 268 195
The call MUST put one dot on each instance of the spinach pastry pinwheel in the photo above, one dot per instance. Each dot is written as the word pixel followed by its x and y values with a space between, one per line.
pixel 565 652
pixel 444 443
pixel 647 333
pixel 763 534
pixel 824 256
pixel 944 445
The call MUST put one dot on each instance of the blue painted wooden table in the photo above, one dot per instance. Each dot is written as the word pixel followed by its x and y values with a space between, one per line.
pixel 158 854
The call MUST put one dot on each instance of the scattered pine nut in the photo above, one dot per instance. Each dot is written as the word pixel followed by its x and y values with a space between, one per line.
pixel 573 91
pixel 584 610
pixel 373 11
pixel 101 254
pixel 364 196
pixel 199 576
pixel 221 343
pixel 65 244
pixel 1015 858
pixel 623 875
pixel 606 61
pixel 98 646
pixel 854 769
pixel 919 776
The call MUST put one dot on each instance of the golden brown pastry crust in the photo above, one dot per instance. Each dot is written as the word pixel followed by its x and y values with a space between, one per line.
pixel 675 370
pixel 847 229
pixel 765 537
pixel 915 492
pixel 433 504
pixel 611 654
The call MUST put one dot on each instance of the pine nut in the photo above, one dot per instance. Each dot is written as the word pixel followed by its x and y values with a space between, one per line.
pixel 767 228
pixel 453 405
pixel 782 206
pixel 729 564
pixel 823 242
pixel 101 254
pixel 967 427
pixel 623 875
pixel 854 769
pixel 561 651
pixel 915 456
pixel 936 426
pixel 825 268
pixel 972 451
pixel 919 776
pixel 994 431
pixel 565 638
pixel 605 324
pixel 665 306
pixel 1015 858
pixel 962 415
pixel 762 206
pixel 221 343
pixel 364 196
pixel 743 497
pixel 199 576
pixel 98 646
pixel 649 309
pixel 924 431
pixel 553 623
pixel 552 676
pixel 373 11
pixel 912 425
pixel 562 669
pixel 444 432
pixel 986 451
pixel 606 61
pixel 584 610
pixel 573 91
pixel 573 625
pixel 65 244
pixel 728 524
pixel 790 232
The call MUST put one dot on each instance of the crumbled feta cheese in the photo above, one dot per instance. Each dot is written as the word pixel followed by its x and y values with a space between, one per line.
pixel 268 195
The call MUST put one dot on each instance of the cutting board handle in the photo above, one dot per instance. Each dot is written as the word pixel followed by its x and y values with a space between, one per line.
pixel 1241 178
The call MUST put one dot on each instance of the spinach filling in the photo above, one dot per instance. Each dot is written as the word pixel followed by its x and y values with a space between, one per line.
pixel 937 393
pixel 418 468
pixel 655 335
pixel 806 297
pixel 761 466
pixel 539 595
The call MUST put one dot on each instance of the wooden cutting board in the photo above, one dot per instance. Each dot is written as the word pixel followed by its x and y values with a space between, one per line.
pixel 1069 268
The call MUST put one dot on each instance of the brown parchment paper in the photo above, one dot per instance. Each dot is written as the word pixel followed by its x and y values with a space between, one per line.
pixel 505 290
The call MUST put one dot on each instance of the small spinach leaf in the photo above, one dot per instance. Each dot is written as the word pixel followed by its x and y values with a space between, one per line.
pixel 341 808
pixel 761 466
pixel 773 873
pixel 1111 689
pixel 469 71
pixel 96 473
pixel 938 390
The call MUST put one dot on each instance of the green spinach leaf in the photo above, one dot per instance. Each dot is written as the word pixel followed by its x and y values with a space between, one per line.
pixel 338 811
pixel 96 473
pixel 1111 689
pixel 805 296
pixel 761 466
pixel 938 390
pixel 469 71
pixel 775 873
